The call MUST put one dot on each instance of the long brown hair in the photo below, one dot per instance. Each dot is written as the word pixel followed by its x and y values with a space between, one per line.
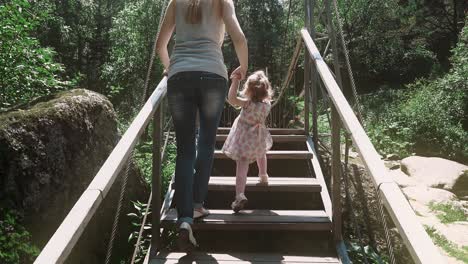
pixel 257 87
pixel 194 12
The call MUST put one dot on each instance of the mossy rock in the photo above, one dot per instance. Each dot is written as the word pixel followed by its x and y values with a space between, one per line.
pixel 50 150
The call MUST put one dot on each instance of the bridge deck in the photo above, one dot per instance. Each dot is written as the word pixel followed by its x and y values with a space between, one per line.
pixel 211 258
pixel 286 223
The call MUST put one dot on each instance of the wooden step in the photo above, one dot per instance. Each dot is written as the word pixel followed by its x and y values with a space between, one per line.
pixel 275 154
pixel 276 138
pixel 275 184
pixel 231 258
pixel 257 220
pixel 273 131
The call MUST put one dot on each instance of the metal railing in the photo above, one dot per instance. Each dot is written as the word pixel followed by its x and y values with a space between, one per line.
pixel 414 236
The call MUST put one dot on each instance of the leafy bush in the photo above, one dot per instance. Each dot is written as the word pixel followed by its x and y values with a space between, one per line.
pixel 428 117
pixel 15 245
pixel 357 255
pixel 384 40
pixel 130 37
pixel 27 69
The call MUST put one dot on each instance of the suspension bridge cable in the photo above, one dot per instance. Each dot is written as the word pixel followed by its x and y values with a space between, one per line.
pixel 125 176
pixel 348 63
pixel 360 116
pixel 148 204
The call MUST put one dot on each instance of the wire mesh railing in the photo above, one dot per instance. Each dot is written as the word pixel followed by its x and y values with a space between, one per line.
pixel 390 200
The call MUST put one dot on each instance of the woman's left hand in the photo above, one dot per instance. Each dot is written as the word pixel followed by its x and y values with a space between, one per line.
pixel 240 71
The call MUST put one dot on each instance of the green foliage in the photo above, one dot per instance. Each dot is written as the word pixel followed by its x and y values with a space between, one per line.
pixel 448 246
pixel 357 256
pixel 427 117
pixel 15 244
pixel 143 158
pixel 137 219
pixel 448 213
pixel 271 43
pixel 27 70
pixel 381 111
pixel 416 35
pixel 131 38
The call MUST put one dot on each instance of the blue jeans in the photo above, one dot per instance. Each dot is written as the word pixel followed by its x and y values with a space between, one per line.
pixel 187 93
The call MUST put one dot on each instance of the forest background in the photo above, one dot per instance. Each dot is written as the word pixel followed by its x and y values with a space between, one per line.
pixel 410 60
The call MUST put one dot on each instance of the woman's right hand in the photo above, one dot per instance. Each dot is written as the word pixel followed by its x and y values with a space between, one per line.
pixel 240 71
pixel 237 36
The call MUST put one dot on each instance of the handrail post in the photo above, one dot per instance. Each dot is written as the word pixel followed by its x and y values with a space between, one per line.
pixel 156 180
pixel 336 173
pixel 314 81
pixel 306 94
pixel 307 63
pixel 336 137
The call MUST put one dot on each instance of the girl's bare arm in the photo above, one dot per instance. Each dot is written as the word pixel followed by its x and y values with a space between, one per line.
pixel 233 99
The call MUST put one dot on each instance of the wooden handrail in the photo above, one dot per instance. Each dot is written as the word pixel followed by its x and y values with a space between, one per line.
pixel 65 237
pixel 414 236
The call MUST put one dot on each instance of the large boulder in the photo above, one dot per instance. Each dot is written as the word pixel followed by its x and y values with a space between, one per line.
pixel 50 151
pixel 438 173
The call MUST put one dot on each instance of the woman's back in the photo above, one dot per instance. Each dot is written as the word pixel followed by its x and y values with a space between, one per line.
pixel 198 46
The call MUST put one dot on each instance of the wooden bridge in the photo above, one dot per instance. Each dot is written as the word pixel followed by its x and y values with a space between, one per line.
pixel 295 219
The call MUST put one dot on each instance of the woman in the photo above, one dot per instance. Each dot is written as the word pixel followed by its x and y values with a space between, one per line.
pixel 197 82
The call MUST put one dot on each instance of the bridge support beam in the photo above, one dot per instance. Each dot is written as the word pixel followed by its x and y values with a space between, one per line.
pixel 156 180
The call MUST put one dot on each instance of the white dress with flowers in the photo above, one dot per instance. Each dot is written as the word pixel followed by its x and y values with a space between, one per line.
pixel 249 138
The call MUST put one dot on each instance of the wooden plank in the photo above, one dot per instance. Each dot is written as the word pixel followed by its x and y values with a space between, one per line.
pixel 394 201
pixel 174 261
pixel 258 220
pixel 62 242
pixel 319 176
pixel 275 154
pixel 201 257
pixel 276 138
pixel 273 131
pixel 65 237
pixel 275 184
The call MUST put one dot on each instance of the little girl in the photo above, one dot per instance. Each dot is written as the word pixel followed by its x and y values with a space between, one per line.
pixel 249 139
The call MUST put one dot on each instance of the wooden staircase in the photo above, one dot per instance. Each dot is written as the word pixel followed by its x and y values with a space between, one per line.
pixel 288 221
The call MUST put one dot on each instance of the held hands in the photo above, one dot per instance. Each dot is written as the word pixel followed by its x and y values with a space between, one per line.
pixel 235 77
pixel 239 73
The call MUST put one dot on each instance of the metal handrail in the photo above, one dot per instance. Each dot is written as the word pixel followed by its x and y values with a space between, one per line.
pixel 418 242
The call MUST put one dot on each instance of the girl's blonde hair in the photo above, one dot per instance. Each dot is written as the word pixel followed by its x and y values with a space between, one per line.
pixel 194 12
pixel 257 87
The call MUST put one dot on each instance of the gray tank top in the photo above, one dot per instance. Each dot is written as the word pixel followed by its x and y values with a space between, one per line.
pixel 198 46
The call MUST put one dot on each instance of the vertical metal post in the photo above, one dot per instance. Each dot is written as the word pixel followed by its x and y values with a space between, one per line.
pixel 156 180
pixel 307 20
pixel 315 80
pixel 336 173
pixel 336 137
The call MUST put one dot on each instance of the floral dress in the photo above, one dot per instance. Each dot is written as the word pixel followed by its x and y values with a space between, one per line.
pixel 249 138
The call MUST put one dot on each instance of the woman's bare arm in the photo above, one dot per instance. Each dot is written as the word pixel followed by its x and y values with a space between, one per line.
pixel 237 35
pixel 167 28
pixel 233 99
